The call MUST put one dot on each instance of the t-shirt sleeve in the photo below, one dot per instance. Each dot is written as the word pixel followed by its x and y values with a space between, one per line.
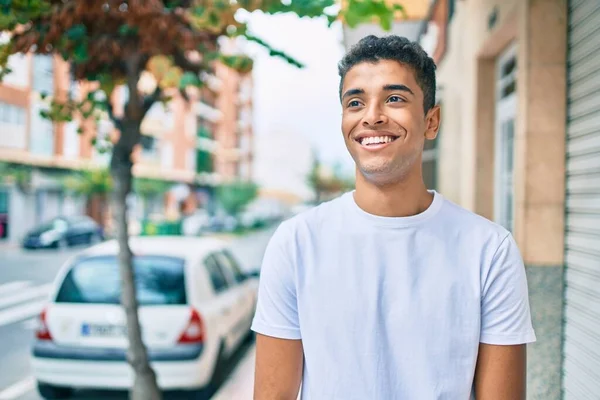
pixel 505 314
pixel 276 310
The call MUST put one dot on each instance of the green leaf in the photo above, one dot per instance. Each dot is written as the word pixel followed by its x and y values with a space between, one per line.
pixel 386 23
pixel 214 20
pixel 128 30
pixel 43 95
pixel 80 131
pixel 76 32
pixel 189 79
pixel 81 55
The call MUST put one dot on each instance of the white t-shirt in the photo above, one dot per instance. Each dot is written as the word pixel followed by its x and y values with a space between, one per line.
pixel 392 308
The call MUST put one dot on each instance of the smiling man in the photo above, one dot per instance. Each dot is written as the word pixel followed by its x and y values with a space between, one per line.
pixel 391 291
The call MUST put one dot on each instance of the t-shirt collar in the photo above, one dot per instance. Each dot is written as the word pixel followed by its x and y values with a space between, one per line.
pixel 394 222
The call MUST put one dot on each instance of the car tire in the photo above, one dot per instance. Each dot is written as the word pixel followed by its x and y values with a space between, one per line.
pixel 54 392
pixel 219 372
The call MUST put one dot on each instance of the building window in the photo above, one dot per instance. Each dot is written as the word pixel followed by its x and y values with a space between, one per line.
pixel 11 114
pixel 43 74
pixel 12 126
pixel 191 160
pixel 71 142
pixel 506 110
pixel 41 131
pixel 167 156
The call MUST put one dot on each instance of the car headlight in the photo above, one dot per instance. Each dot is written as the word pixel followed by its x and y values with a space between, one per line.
pixel 48 237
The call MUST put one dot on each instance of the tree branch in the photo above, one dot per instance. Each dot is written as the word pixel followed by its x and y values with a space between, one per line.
pixel 117 121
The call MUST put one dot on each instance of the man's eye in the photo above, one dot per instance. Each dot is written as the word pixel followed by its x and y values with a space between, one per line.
pixel 395 99
pixel 354 103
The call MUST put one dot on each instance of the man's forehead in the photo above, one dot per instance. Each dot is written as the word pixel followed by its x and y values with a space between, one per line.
pixel 379 74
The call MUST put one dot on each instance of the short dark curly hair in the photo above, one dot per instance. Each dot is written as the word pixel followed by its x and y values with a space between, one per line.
pixel 396 48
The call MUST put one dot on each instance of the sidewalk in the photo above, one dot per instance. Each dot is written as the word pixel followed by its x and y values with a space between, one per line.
pixel 8 244
pixel 240 385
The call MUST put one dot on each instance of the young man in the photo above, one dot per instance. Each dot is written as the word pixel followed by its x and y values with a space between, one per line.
pixel 391 291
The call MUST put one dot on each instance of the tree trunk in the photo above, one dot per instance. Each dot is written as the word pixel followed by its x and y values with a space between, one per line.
pixel 144 386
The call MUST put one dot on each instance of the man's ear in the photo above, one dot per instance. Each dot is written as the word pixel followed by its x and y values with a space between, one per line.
pixel 432 122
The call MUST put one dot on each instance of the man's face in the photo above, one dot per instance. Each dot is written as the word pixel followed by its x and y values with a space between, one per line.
pixel 383 120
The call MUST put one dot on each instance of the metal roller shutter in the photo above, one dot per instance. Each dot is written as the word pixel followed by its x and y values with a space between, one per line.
pixel 581 366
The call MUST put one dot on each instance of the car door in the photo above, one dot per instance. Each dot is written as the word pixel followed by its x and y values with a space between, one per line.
pixel 242 299
pixel 75 231
pixel 224 301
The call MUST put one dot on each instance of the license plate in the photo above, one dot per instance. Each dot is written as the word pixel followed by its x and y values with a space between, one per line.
pixel 103 330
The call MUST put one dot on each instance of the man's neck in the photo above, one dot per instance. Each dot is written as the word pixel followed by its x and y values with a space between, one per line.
pixel 400 199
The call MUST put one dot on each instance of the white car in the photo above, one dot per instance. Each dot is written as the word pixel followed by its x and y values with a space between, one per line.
pixel 195 309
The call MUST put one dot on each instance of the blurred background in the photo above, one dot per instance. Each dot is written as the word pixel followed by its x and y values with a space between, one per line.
pixel 519 144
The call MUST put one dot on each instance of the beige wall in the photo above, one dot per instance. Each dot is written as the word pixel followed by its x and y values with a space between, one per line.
pixel 466 76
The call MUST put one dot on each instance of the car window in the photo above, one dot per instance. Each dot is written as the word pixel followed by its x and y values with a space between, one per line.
pixel 216 274
pixel 159 281
pixel 82 222
pixel 229 261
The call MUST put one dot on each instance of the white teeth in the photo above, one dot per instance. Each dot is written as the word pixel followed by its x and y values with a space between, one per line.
pixel 376 140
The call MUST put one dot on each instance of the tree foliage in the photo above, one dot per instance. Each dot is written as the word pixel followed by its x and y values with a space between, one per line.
pixel 17 173
pixel 327 183
pixel 233 197
pixel 145 187
pixel 99 37
pixel 90 182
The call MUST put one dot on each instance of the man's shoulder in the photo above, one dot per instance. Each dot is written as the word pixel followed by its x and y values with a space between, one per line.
pixel 318 214
pixel 458 217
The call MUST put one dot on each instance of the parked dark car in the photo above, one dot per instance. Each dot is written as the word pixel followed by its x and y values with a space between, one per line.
pixel 63 232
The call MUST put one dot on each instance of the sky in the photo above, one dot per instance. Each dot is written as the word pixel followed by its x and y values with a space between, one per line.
pixel 296 110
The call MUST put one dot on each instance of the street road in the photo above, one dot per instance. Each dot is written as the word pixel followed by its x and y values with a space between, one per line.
pixel 25 280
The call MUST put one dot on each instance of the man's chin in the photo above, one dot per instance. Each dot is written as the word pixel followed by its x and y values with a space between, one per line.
pixel 382 174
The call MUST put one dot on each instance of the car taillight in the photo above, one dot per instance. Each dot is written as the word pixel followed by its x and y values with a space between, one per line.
pixel 42 332
pixel 194 330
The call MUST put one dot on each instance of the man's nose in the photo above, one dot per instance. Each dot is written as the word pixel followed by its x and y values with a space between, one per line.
pixel 374 116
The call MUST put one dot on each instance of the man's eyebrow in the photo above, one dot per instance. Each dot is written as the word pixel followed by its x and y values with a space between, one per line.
pixel 353 92
pixel 400 87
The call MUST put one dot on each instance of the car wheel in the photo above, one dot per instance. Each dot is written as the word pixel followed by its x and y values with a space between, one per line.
pixel 217 378
pixel 54 392
pixel 218 375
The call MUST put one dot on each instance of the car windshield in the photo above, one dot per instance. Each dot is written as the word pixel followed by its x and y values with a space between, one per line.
pixel 159 281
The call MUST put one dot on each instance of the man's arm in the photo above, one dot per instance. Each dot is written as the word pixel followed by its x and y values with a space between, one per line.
pixel 278 368
pixel 501 372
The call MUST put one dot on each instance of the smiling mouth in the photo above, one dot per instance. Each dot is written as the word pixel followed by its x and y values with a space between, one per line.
pixel 372 141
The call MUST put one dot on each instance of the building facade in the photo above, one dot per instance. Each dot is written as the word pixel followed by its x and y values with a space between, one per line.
pixel 193 144
pixel 520 145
